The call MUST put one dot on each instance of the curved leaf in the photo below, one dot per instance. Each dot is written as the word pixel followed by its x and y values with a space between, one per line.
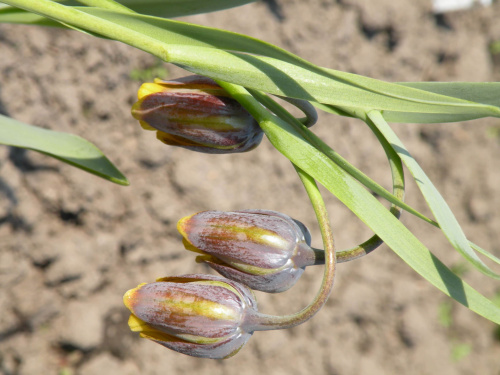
pixel 213 53
pixel 440 209
pixel 68 148
pixel 300 152
pixel 226 56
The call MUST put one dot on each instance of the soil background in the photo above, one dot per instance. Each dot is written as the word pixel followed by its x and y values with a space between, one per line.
pixel 71 244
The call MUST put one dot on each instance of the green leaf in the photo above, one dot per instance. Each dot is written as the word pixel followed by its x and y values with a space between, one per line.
pixel 360 176
pixel 440 209
pixel 395 199
pixel 255 64
pixel 480 92
pixel 379 219
pixel 68 148
pixel 291 143
pixel 225 55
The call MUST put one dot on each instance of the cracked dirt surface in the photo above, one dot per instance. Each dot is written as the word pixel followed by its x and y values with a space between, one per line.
pixel 71 244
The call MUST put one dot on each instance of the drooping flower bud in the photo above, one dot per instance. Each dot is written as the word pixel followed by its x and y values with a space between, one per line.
pixel 264 250
pixel 195 113
pixel 198 315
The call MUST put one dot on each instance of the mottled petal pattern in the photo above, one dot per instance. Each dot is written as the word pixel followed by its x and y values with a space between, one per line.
pixel 265 250
pixel 195 113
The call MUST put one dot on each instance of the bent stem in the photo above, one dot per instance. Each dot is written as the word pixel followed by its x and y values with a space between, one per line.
pixel 261 322
pixel 395 164
pixel 334 156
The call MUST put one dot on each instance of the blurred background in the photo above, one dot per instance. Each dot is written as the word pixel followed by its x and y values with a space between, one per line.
pixel 71 244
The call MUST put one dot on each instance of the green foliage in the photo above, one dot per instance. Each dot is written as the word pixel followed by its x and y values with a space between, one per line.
pixel 68 148
pixel 239 61
pixel 295 144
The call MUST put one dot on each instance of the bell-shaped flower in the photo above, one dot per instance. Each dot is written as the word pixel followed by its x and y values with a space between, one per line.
pixel 195 113
pixel 198 315
pixel 265 250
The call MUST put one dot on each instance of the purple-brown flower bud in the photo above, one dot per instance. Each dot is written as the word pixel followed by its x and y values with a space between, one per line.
pixel 195 113
pixel 198 315
pixel 264 250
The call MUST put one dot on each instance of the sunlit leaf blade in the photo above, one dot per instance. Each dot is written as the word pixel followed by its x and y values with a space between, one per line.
pixel 252 63
pixel 377 217
pixel 440 209
pixel 480 92
pixel 68 148
pixel 213 53
pixel 361 177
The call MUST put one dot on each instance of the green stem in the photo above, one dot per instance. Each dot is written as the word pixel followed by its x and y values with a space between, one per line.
pixel 258 321
pixel 334 156
pixel 306 107
pixel 262 322
pixel 445 217
pixel 395 164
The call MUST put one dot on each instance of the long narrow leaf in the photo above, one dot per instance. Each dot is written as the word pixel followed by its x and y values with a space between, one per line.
pixel 381 221
pixel 442 212
pixel 291 144
pixel 68 148
pixel 212 52
pixel 208 51
pixel 481 92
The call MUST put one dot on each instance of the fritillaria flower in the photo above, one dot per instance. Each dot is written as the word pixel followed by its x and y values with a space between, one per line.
pixel 264 250
pixel 199 315
pixel 195 113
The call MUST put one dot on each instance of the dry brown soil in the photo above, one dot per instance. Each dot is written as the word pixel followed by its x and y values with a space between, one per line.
pixel 71 244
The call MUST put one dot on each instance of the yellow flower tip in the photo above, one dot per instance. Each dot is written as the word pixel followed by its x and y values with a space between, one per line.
pixel 189 246
pixel 146 126
pixel 182 225
pixel 129 298
pixel 137 325
pixel 149 88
